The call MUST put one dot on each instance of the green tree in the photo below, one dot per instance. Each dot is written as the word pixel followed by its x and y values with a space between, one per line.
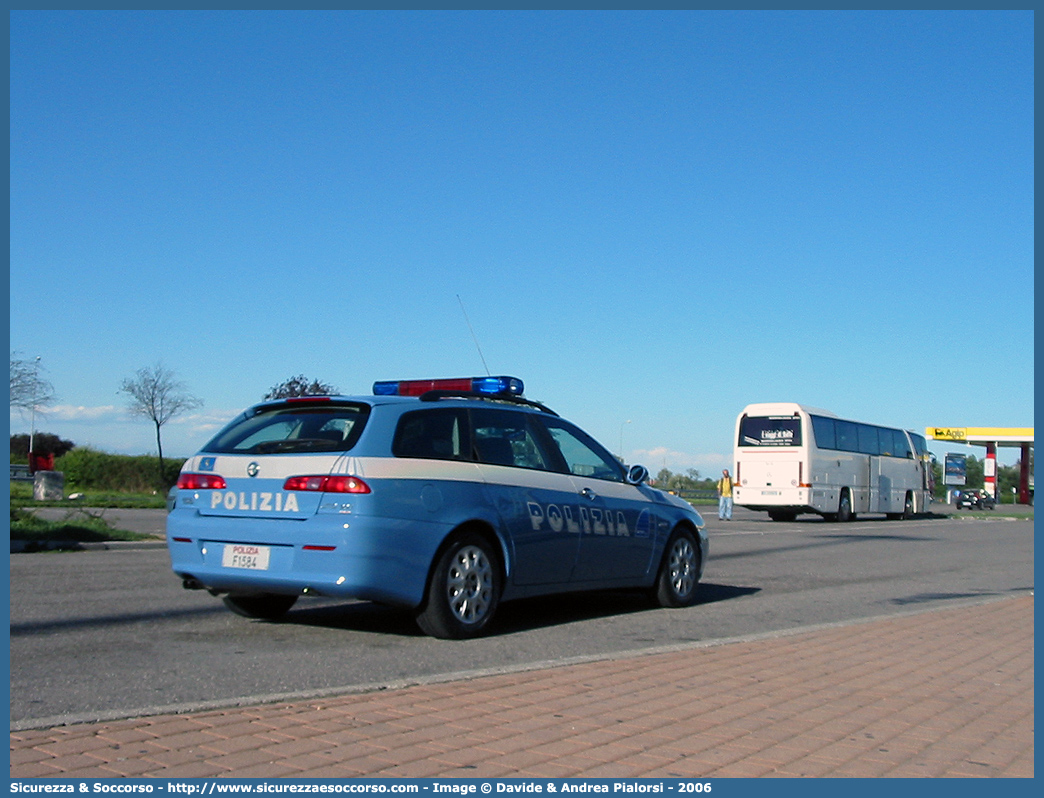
pixel 974 472
pixel 299 386
pixel 689 481
pixel 43 443
pixel 1008 478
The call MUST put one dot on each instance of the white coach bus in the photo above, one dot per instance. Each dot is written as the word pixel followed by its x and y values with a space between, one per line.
pixel 792 459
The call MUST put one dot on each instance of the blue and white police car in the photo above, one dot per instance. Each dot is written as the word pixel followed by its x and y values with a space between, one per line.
pixel 444 497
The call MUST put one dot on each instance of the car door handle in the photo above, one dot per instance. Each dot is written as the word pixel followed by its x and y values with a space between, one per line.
pixel 587 493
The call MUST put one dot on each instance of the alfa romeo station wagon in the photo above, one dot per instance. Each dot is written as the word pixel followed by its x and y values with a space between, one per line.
pixel 444 497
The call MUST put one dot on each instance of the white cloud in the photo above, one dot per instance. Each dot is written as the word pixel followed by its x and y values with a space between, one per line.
pixel 80 413
pixel 208 422
pixel 662 457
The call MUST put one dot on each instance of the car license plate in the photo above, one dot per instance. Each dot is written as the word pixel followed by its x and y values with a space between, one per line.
pixel 770 493
pixel 238 555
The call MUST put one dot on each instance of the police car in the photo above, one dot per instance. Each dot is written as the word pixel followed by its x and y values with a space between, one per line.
pixel 444 497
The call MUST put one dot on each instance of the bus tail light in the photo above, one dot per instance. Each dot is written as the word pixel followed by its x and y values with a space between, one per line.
pixel 801 477
pixel 327 484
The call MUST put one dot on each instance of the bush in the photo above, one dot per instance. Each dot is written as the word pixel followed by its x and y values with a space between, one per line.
pixel 89 469
pixel 76 526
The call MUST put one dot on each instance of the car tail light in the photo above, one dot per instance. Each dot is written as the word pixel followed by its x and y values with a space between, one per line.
pixel 327 484
pixel 201 482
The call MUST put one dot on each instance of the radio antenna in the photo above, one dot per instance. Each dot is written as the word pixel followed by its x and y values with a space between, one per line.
pixel 473 338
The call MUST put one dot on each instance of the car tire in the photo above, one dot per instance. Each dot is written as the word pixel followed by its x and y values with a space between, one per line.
pixel 463 590
pixel 266 606
pixel 679 574
pixel 908 508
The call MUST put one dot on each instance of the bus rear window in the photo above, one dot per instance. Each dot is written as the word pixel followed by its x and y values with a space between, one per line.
pixel 770 431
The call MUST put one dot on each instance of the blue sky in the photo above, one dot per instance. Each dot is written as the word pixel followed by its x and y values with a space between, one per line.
pixel 652 218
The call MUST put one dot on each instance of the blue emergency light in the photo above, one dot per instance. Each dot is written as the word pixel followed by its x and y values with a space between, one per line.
pixel 490 386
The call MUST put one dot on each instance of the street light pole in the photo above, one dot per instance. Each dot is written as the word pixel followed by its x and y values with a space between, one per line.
pixel 32 423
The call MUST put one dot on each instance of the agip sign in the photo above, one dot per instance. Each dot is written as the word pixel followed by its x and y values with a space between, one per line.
pixel 949 433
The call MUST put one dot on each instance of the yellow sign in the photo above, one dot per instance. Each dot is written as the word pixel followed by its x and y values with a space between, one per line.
pixel 1001 436
pixel 948 433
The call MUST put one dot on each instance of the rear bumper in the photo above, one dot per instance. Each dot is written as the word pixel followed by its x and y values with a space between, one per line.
pixel 820 500
pixel 768 498
pixel 347 557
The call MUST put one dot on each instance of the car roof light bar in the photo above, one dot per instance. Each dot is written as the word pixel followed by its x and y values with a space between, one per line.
pixel 487 386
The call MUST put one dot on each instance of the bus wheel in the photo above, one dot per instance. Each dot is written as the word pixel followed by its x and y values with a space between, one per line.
pixel 908 509
pixel 844 508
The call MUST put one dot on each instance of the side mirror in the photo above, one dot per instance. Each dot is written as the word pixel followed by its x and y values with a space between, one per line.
pixel 637 474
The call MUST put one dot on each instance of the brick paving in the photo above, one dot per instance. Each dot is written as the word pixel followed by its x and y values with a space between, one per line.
pixel 943 693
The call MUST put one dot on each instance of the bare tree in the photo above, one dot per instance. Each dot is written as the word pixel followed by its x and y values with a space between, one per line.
pixel 28 390
pixel 156 394
pixel 299 386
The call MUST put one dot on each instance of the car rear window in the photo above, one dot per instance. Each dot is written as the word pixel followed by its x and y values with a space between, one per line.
pixel 293 428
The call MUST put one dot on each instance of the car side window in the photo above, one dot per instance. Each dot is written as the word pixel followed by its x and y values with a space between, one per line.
pixel 583 456
pixel 504 437
pixel 437 434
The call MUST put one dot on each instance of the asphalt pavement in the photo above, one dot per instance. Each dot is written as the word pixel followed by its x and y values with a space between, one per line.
pixel 938 693
pixel 935 693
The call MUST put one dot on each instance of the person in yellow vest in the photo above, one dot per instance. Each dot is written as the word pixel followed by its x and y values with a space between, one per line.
pixel 725 496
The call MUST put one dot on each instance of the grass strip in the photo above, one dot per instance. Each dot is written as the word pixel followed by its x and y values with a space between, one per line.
pixel 77 526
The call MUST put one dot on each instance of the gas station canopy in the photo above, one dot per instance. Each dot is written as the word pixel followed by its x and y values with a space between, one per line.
pixel 1002 436
pixel 991 438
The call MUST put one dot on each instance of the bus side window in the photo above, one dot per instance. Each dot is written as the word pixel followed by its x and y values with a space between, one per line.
pixel 824 432
pixel 886 438
pixel 846 436
pixel 902 445
pixel 868 443
pixel 920 446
